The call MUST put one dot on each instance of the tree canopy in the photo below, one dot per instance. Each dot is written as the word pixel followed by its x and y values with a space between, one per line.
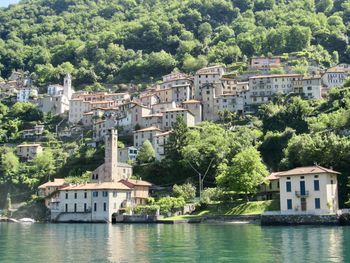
pixel 119 41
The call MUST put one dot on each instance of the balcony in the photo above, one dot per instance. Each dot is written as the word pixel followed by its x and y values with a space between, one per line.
pixel 302 194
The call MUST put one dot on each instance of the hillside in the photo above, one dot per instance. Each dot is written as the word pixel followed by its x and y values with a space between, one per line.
pixel 119 41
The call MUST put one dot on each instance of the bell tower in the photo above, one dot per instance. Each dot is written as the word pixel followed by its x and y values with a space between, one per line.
pixel 67 86
pixel 111 156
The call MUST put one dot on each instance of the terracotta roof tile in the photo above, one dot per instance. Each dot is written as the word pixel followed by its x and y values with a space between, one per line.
pixel 307 170
pixel 134 182
pixel 97 186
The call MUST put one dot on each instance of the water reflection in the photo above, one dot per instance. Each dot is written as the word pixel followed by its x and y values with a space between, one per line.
pixel 172 243
pixel 307 244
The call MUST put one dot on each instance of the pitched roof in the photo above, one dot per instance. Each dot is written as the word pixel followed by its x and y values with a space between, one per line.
pixel 276 76
pixel 273 176
pixel 56 182
pixel 316 169
pixel 190 101
pixel 97 186
pixel 133 182
pixel 29 145
pixel 152 128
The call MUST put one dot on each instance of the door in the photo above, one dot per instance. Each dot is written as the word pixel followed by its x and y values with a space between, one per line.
pixel 302 188
pixel 303 203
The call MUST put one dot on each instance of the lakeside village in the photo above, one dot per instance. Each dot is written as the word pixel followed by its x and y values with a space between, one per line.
pixel 112 193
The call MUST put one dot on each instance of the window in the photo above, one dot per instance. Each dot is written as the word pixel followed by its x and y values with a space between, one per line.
pixel 289 186
pixel 66 195
pixel 85 207
pixel 105 193
pixel 289 204
pixel 104 206
pixel 115 194
pixel 270 185
pixel 75 195
pixel 75 207
pixel 85 195
pixel 316 185
pixel 95 194
pixel 317 203
pixel 66 208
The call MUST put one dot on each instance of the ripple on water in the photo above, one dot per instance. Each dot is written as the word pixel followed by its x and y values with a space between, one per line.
pixel 172 243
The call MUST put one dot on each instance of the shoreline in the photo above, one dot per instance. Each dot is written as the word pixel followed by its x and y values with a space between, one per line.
pixel 263 220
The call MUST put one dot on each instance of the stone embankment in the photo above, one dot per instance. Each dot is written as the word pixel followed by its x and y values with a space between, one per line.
pixel 203 219
pixel 271 220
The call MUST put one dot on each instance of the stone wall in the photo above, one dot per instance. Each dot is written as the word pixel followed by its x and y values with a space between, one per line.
pixel 139 219
pixel 299 219
pixel 231 218
pixel 77 217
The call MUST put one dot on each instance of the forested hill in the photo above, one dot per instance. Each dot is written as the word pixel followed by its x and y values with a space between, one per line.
pixel 116 41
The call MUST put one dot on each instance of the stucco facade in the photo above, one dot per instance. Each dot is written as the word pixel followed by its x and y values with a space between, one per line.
pixel 91 202
pixel 311 190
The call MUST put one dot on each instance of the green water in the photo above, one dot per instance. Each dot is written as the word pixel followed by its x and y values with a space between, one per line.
pixel 172 243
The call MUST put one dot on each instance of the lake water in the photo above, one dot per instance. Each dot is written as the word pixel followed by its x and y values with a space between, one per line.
pixel 172 243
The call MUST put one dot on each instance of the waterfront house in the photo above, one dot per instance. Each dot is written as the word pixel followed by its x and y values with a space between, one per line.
pixel 271 189
pixel 50 189
pixel 103 198
pixel 310 190
pixel 91 202
pixel 140 190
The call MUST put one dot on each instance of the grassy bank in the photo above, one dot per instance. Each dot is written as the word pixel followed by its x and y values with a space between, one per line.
pixel 237 208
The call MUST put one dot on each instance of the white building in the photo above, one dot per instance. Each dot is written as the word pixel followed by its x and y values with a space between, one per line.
pixel 263 87
pixel 310 190
pixel 127 154
pixel 335 76
pixel 57 99
pixel 103 198
pixel 91 202
pixel 29 151
pixel 24 94
pixel 170 116
pixel 140 136
pixel 159 144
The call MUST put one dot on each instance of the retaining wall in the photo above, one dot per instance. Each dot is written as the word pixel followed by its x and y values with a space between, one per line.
pixel 299 219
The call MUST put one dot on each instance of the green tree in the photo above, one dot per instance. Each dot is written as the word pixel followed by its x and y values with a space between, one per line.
pixel 187 191
pixel 177 139
pixel 146 153
pixel 244 174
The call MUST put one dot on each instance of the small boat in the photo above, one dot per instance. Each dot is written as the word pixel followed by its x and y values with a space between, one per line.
pixel 26 220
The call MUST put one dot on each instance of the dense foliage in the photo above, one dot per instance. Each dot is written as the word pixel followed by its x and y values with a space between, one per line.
pixel 118 41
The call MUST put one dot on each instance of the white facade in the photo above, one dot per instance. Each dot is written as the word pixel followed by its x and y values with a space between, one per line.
pixel 311 190
pixel 127 154
pixel 140 136
pixel 170 116
pixel 91 202
pixel 334 77
pixel 159 144
pixel 29 151
pixel 25 93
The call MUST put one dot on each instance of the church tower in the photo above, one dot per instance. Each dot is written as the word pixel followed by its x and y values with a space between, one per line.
pixel 111 156
pixel 67 86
